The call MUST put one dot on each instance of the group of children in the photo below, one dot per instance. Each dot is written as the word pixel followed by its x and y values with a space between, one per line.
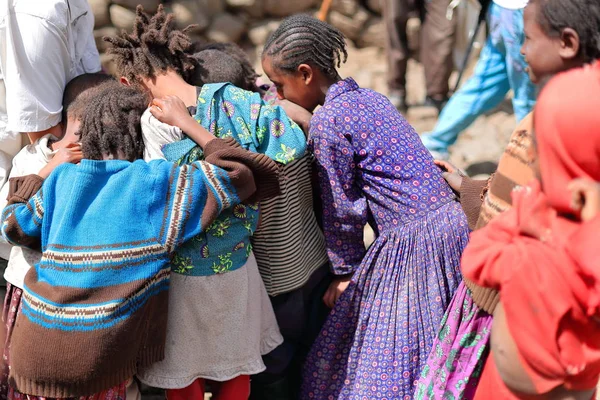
pixel 178 243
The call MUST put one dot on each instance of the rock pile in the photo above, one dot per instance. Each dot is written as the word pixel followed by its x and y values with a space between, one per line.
pixel 241 20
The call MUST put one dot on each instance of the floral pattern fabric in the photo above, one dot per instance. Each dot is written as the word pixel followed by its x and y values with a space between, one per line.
pixel 459 352
pixel 228 111
pixel 373 168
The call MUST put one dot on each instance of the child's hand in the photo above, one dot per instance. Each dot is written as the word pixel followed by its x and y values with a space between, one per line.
pixel 335 290
pixel 69 154
pixel 451 174
pixel 172 111
pixel 585 197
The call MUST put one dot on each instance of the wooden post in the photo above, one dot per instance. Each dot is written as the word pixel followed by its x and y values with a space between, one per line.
pixel 324 10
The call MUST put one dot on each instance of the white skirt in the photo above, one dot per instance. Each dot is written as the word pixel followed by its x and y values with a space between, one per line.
pixel 218 328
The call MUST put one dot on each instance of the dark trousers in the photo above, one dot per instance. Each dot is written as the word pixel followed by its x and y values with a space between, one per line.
pixel 436 44
pixel 300 315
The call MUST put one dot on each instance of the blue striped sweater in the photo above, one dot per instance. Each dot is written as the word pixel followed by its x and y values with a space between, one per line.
pixel 94 309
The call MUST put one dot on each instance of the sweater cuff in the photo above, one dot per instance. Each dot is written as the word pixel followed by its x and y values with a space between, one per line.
pixel 225 153
pixel 485 298
pixel 22 188
pixel 471 198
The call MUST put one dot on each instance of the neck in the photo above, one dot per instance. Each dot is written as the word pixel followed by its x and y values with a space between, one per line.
pixel 171 84
pixel 325 84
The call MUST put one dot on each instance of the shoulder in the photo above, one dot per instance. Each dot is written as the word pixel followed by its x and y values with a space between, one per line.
pixel 53 12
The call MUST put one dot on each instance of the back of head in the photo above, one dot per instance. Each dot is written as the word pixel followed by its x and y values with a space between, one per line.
pixel 154 46
pixel 217 67
pixel 78 92
pixel 248 76
pixel 110 125
pixel 583 16
pixel 566 122
pixel 302 39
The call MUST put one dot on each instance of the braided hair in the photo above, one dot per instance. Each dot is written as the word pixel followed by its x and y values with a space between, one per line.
pixel 154 46
pixel 583 16
pixel 240 56
pixel 302 39
pixel 110 125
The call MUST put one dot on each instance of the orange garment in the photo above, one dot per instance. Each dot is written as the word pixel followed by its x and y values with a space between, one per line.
pixel 545 264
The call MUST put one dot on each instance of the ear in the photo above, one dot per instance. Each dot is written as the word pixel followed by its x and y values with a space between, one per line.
pixel 569 44
pixel 306 73
pixel 124 81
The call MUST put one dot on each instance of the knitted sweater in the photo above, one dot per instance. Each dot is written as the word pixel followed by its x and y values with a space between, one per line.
pixel 94 309
pixel 482 200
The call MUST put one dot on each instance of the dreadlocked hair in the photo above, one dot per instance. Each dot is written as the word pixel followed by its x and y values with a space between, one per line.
pixel 302 39
pixel 240 56
pixel 154 46
pixel 110 126
pixel 583 16
pixel 78 92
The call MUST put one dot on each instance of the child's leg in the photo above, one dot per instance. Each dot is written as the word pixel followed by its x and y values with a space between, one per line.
pixel 192 392
pixel 235 389
pixel 524 90
pixel 481 93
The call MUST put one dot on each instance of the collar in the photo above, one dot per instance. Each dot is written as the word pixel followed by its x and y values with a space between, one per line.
pixel 341 87
pixel 77 9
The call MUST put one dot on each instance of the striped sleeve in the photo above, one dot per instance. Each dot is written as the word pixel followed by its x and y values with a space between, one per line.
pixel 22 217
pixel 198 192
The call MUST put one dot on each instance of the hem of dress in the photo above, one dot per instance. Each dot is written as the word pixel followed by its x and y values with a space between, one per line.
pixel 272 340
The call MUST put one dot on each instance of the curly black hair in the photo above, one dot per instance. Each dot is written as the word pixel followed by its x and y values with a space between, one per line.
pixel 218 67
pixel 110 126
pixel 154 46
pixel 583 16
pixel 302 39
pixel 248 81
pixel 78 92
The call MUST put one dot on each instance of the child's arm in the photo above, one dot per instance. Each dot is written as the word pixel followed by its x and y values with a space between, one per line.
pixel 198 192
pixel 21 221
pixel 172 111
pixel 296 113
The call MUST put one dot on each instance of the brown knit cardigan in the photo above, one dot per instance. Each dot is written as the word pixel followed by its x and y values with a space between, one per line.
pixel 483 200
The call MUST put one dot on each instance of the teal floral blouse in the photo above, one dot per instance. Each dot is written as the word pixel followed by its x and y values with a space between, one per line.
pixel 228 111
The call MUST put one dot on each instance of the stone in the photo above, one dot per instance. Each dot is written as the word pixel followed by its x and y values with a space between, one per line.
pixel 284 8
pixel 190 12
pixel 350 26
pixel 121 17
pixel 212 7
pixel 376 6
pixel 253 8
pixel 150 6
pixel 413 33
pixel 346 7
pixel 100 11
pixel 374 33
pixel 260 31
pixel 100 33
pixel 226 28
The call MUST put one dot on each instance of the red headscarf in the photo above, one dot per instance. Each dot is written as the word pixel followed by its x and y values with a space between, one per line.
pixel 547 267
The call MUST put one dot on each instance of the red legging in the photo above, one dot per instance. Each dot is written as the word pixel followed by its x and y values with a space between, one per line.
pixel 234 389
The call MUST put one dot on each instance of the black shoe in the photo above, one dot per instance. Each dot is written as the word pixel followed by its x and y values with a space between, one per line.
pixel 437 104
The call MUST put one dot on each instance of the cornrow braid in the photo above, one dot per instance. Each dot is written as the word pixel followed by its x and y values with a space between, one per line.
pixel 154 46
pixel 302 39
pixel 110 125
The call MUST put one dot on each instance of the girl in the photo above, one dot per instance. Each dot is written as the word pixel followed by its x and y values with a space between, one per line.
pixel 221 320
pixel 542 255
pixel 559 36
pixel 388 301
pixel 94 309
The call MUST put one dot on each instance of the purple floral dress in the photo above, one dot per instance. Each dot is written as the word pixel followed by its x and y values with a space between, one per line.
pixel 374 169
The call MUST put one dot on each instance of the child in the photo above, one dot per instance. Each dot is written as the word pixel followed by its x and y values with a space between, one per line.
pixel 387 301
pixel 96 303
pixel 542 255
pixel 216 282
pixel 34 159
pixel 295 280
pixel 559 36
